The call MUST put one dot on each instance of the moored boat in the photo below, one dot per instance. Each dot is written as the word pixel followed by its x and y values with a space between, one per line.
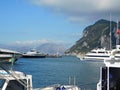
pixel 6 58
pixel 8 55
pixel 33 54
pixel 61 87
pixel 53 56
pixel 97 54
pixel 100 54
pixel 15 80
pixel 110 73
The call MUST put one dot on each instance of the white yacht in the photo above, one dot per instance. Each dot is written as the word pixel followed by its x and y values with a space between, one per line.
pixel 100 54
pixel 97 54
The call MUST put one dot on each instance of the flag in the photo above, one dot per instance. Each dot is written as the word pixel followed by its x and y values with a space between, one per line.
pixel 118 31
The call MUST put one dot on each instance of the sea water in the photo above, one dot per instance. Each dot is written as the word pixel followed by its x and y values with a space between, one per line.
pixel 65 70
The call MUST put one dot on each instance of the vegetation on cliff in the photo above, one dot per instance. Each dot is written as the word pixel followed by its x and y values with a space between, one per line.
pixel 95 36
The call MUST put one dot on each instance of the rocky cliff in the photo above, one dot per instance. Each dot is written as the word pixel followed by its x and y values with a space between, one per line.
pixel 95 36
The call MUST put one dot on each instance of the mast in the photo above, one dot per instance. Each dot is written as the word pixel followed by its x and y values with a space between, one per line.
pixel 74 81
pixel 117 37
pixel 110 34
pixel 118 34
pixel 69 80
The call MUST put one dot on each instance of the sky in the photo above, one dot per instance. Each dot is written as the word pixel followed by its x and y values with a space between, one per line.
pixel 59 21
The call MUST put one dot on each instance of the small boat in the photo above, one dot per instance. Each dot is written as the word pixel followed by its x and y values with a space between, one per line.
pixel 16 80
pixel 53 56
pixel 33 54
pixel 61 87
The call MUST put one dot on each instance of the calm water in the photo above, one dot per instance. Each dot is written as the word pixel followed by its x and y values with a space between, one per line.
pixel 49 71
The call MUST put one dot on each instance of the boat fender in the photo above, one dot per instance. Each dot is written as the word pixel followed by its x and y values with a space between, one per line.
pixel 63 88
pixel 58 88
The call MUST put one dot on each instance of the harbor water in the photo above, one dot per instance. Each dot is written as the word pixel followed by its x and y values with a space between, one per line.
pixel 65 70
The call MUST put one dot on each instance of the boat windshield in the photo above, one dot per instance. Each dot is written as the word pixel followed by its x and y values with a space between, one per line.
pixel 15 85
pixel 114 78
pixel 93 52
pixel 2 81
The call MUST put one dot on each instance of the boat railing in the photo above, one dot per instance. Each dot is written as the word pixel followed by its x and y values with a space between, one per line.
pixel 16 75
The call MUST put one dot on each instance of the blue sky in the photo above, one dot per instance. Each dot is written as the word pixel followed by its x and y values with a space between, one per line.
pixel 51 20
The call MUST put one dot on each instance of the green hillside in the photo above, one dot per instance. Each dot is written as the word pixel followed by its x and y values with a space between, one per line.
pixel 95 36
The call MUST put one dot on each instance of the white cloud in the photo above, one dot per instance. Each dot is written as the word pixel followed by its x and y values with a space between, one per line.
pixel 38 42
pixel 86 9
pixel 28 42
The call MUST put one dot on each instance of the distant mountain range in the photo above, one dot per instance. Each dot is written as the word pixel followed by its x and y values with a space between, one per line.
pixel 48 48
pixel 95 36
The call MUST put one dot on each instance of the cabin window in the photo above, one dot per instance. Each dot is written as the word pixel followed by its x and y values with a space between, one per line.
pixel 101 52
pixel 2 81
pixel 114 78
pixel 93 52
pixel 104 78
pixel 15 85
pixel 118 52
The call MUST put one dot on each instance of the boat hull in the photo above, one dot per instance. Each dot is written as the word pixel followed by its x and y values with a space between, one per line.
pixel 33 56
